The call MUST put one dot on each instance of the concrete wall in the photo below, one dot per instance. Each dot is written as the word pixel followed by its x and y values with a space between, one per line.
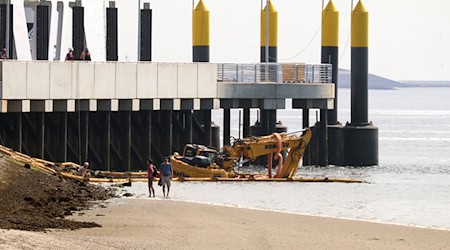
pixel 144 85
pixel 43 80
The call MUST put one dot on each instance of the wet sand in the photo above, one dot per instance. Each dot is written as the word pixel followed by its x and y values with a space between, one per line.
pixel 130 223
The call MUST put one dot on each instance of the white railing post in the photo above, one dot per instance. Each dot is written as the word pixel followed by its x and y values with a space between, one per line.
pixel 223 72
pixel 256 74
pixel 312 74
pixel 279 73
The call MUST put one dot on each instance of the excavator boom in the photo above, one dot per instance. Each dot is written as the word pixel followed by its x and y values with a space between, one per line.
pixel 272 145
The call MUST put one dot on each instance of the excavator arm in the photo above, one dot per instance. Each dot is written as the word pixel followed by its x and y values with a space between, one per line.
pixel 271 145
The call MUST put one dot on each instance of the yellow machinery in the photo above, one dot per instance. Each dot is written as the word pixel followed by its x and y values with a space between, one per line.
pixel 200 161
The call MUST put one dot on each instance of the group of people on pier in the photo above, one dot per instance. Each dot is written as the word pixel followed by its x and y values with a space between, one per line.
pixel 84 56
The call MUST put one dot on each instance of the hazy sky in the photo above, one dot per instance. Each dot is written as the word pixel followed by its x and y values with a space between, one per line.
pixel 409 39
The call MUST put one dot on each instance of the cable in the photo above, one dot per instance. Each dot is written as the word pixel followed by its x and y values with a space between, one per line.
pixel 348 35
pixel 307 45
pixel 303 50
pixel 345 47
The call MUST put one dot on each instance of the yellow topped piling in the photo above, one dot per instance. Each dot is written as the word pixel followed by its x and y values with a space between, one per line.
pixel 200 25
pixel 330 25
pixel 273 25
pixel 360 26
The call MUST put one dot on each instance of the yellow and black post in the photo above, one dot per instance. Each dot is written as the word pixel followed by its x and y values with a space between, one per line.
pixel 270 39
pixel 331 142
pixel 330 49
pixel 360 136
pixel 200 33
pixel 269 50
pixel 200 42
pixel 330 39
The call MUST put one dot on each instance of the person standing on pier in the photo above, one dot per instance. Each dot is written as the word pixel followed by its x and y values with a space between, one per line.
pixel 85 55
pixel 151 173
pixel 166 172
pixel 69 55
pixel 3 55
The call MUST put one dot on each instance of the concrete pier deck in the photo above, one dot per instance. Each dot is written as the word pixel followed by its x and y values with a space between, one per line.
pixel 45 86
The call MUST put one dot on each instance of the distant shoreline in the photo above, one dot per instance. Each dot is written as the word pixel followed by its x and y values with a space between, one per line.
pixel 426 84
pixel 382 83
pixel 401 87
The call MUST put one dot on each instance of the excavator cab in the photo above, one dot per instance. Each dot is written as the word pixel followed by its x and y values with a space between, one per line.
pixel 199 155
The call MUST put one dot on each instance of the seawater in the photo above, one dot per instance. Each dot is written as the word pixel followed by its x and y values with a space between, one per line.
pixel 409 187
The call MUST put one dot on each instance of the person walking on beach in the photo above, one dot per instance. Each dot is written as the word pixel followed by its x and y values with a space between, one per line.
pixel 166 172
pixel 151 173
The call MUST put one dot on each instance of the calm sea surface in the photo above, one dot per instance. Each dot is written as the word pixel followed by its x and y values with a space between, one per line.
pixel 411 186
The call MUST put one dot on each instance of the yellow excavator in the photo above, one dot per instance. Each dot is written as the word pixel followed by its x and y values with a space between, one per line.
pixel 201 161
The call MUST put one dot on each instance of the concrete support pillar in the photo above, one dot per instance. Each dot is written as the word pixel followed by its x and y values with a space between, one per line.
pixel 99 139
pixel 161 135
pixel 41 134
pixel 272 115
pixel 84 135
pixel 120 140
pixel 264 121
pixel 226 126
pixel 246 123
pixel 11 130
pixel 33 125
pixel 55 136
pixel 323 139
pixel 178 130
pixel 62 136
pixel 108 141
pixel 167 132
pixel 187 114
pixel 128 130
pixel 73 137
pixel 207 128
pixel 305 122
pixel 140 141
pixel 149 137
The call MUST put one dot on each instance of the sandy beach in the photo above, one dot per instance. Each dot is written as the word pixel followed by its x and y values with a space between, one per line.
pixel 130 223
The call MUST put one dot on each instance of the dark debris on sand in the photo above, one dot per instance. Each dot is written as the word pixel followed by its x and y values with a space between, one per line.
pixel 35 201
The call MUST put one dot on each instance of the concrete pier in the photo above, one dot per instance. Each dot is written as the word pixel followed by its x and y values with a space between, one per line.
pixel 117 115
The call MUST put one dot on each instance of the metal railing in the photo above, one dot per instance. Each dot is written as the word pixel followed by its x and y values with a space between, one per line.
pixel 274 73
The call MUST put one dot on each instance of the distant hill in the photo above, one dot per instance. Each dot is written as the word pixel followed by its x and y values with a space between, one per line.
pixel 375 82
pixel 434 84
